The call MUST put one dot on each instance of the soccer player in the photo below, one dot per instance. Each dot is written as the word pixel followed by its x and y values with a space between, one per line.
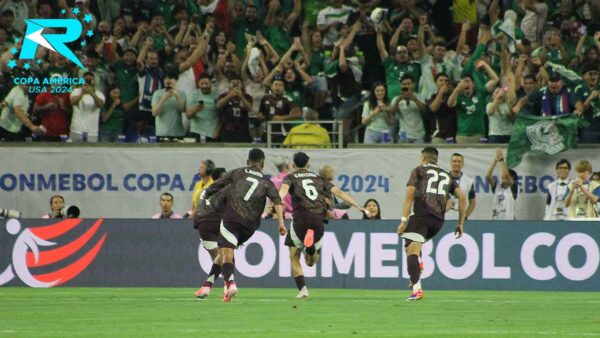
pixel 208 221
pixel 243 208
pixel 427 193
pixel 309 192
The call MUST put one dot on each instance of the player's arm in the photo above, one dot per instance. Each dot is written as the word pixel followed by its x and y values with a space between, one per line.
pixel 277 205
pixel 408 202
pixel 283 190
pixel 462 205
pixel 218 185
pixel 346 198
pixel 471 199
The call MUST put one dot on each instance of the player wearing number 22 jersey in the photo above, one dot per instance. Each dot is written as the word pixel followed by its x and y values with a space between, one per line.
pixel 245 203
pixel 427 193
pixel 309 193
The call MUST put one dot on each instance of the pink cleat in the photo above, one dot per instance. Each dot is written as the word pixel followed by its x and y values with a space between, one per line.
pixel 230 293
pixel 416 295
pixel 203 292
pixel 309 238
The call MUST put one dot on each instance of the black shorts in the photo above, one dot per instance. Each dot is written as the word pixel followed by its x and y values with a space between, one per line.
pixel 301 222
pixel 209 232
pixel 233 234
pixel 421 228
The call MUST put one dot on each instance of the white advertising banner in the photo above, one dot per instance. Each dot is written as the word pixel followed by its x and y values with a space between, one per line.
pixel 126 182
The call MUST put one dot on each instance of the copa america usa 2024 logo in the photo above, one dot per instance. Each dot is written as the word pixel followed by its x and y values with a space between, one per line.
pixel 53 41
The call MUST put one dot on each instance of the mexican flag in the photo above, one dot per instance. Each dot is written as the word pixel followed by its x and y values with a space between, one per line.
pixel 550 135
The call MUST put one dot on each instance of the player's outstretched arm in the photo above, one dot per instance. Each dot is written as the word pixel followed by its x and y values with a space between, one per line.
pixel 279 212
pixel 408 202
pixel 462 206
pixel 346 198
pixel 283 190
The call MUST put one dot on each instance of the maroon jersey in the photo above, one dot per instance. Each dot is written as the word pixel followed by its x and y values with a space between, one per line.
pixel 234 115
pixel 211 209
pixel 272 105
pixel 432 188
pixel 246 199
pixel 308 190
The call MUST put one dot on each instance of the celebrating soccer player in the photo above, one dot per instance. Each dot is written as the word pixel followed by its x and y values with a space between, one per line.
pixel 427 193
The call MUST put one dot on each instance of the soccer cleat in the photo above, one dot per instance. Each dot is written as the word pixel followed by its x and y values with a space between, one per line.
pixel 230 293
pixel 309 238
pixel 416 295
pixel 303 293
pixel 203 292
pixel 421 266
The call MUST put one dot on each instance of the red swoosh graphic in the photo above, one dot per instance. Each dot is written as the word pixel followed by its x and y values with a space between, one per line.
pixel 71 271
pixel 55 230
pixel 55 255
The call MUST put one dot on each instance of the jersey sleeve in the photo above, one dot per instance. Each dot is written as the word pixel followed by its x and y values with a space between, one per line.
pixel 272 192
pixel 412 180
pixel 220 184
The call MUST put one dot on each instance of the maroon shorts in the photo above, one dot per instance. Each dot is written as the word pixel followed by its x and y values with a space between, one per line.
pixel 421 228
pixel 301 222
pixel 208 229
pixel 233 234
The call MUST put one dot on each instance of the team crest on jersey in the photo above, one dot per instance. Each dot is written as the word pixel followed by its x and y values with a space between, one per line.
pixel 544 136
pixel 475 100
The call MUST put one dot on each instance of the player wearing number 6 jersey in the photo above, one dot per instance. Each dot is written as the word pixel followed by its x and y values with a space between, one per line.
pixel 309 193
pixel 245 203
pixel 427 193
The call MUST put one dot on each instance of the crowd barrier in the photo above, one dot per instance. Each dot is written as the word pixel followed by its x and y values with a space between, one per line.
pixel 355 254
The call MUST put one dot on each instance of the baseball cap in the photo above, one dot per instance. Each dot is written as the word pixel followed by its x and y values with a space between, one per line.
pixel 554 76
pixel 588 68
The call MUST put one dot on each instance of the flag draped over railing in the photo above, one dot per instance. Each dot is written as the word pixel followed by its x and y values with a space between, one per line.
pixel 550 135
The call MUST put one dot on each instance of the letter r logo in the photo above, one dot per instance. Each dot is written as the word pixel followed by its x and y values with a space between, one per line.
pixel 54 42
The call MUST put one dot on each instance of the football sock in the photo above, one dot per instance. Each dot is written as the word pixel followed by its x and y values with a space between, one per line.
pixel 413 268
pixel 228 272
pixel 299 282
pixel 215 270
pixel 311 250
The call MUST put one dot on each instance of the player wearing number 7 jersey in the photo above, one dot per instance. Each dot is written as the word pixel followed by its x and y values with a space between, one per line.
pixel 245 203
pixel 427 193
pixel 309 193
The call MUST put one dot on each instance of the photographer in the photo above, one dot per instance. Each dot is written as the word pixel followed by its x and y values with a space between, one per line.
pixel 202 111
pixel 59 210
pixel 410 110
pixel 87 103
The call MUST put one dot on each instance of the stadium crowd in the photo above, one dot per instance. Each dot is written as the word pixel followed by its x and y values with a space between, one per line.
pixel 390 70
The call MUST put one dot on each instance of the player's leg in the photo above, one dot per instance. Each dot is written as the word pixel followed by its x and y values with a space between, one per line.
pixel 209 233
pixel 228 241
pixel 297 272
pixel 318 228
pixel 413 250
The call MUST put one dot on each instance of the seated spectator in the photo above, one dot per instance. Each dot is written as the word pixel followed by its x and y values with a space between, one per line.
pixel 167 106
pixel 373 208
pixel 581 202
pixel 309 134
pixel 233 108
pixel 166 206
pixel 202 111
pixel 111 125
pixel 57 202
pixel 377 115
pixel 87 103
pixel 505 191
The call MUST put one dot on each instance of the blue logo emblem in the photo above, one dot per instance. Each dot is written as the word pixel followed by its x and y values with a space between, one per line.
pixel 34 36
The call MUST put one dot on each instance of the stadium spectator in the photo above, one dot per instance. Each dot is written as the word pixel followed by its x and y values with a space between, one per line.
pixel 233 108
pixel 557 192
pixel 249 24
pixel 410 109
pixel 588 103
pixel 14 115
pixel 277 107
pixel 282 163
pixel 555 99
pixel 124 74
pixel 396 67
pixel 150 79
pixel 581 202
pixel 336 208
pixel 166 208
pixel 111 123
pixel 377 115
pixel 254 70
pixel 87 103
pixel 532 25
pixel 205 171
pixel 167 106
pixel 445 117
pixel 54 111
pixel 505 190
pixel 331 19
pixel 373 208
pixel 91 62
pixel 202 111
pixel 309 134
pixel 57 202
pixel 500 114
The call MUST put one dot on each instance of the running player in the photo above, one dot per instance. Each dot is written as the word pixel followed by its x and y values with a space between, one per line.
pixel 427 193
pixel 208 221
pixel 245 203
pixel 309 192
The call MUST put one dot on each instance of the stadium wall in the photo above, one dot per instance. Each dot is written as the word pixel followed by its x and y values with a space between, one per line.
pixel 562 256
pixel 126 182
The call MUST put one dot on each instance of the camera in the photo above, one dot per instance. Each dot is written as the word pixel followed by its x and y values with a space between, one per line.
pixel 70 211
pixel 200 102
pixel 10 213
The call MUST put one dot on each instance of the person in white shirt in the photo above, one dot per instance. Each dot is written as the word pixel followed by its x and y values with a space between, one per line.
pixel 330 19
pixel 410 109
pixel 87 103
pixel 505 191
pixel 557 193
pixel 166 208
pixel 465 182
pixel 14 115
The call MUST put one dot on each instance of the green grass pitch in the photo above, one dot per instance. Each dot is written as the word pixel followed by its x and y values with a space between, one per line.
pixel 173 312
